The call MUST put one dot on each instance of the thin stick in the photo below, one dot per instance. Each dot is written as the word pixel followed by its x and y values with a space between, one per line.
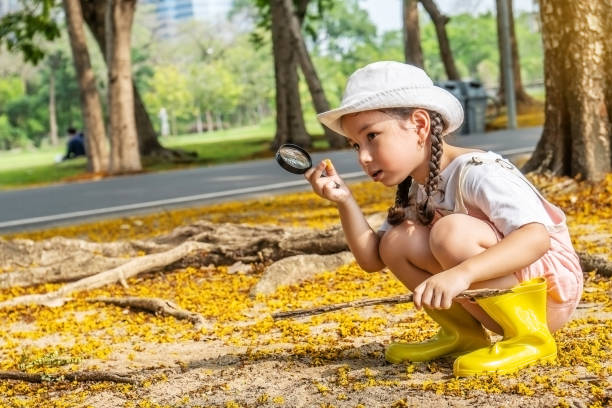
pixel 469 294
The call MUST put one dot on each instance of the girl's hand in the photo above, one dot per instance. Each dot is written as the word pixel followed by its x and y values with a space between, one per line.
pixel 330 186
pixel 438 291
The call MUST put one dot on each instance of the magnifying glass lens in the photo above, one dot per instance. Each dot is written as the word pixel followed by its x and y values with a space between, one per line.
pixel 293 158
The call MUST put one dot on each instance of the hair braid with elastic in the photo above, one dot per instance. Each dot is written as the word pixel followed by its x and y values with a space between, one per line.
pixel 426 209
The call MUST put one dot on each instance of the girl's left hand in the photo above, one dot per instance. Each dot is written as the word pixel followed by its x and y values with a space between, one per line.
pixel 438 291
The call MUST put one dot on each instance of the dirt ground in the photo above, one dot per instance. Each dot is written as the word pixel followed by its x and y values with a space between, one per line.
pixel 329 360
pixel 241 357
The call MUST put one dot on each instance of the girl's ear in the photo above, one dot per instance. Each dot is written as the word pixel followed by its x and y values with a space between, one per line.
pixel 422 121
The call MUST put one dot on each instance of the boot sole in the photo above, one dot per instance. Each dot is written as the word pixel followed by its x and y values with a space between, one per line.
pixel 470 373
pixel 453 354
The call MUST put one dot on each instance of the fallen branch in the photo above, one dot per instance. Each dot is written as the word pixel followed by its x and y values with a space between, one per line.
pixel 468 294
pixel 156 306
pixel 74 376
pixel 121 273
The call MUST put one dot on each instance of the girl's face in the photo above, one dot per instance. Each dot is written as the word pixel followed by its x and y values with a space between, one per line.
pixel 389 149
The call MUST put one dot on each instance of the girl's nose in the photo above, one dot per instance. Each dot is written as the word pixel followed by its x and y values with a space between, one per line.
pixel 364 156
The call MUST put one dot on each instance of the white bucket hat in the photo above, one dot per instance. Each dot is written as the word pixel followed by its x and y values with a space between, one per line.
pixel 391 84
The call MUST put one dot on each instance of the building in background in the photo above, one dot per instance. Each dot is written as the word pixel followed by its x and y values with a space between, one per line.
pixel 166 16
pixel 8 6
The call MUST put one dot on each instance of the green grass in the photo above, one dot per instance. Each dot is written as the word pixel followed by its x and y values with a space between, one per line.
pixel 37 167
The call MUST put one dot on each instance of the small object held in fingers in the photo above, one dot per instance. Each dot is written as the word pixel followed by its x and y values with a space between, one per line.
pixel 329 167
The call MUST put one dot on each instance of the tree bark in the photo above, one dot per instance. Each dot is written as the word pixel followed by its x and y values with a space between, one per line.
pixel 577 129
pixel 93 119
pixel 310 74
pixel 413 53
pixel 522 97
pixel 290 126
pixel 53 139
pixel 440 21
pixel 125 155
pixel 94 12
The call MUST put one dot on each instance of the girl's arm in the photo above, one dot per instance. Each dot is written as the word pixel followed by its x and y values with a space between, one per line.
pixel 517 250
pixel 361 238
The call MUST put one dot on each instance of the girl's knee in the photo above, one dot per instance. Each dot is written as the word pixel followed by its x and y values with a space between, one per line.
pixel 448 232
pixel 458 236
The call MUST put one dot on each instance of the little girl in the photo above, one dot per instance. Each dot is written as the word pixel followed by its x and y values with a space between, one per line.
pixel 462 219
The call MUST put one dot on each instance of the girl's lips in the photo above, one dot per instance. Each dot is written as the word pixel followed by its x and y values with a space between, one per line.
pixel 377 175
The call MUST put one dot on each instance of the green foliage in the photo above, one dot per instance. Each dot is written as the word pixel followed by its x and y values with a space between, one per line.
pixel 21 30
pixel 168 88
pixel 473 40
pixel 48 360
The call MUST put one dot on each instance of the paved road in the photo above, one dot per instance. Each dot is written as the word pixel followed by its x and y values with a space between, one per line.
pixel 68 203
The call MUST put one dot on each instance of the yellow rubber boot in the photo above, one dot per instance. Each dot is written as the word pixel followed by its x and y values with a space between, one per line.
pixel 522 315
pixel 459 333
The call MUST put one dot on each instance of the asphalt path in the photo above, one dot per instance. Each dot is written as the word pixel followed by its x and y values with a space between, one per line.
pixel 36 208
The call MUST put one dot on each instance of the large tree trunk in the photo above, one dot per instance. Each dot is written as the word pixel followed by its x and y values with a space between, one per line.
pixel 310 74
pixel 290 126
pixel 94 13
pixel 53 139
pixel 93 119
pixel 413 53
pixel 125 156
pixel 522 97
pixel 440 21
pixel 578 78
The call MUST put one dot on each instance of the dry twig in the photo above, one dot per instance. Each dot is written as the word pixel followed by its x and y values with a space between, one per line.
pixel 469 294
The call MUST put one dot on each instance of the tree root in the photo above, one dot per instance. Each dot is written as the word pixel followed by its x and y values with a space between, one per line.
pixel 590 262
pixel 197 245
pixel 79 376
pixel 155 306
pixel 120 273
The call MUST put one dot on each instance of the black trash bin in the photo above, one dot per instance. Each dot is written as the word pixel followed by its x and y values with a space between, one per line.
pixel 457 89
pixel 475 106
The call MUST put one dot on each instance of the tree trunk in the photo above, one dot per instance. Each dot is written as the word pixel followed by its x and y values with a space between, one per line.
pixel 310 74
pixel 413 53
pixel 94 13
pixel 210 126
pixel 125 156
pixel 290 126
pixel 522 97
pixel 446 53
pixel 95 134
pixel 53 139
pixel 577 48
pixel 199 127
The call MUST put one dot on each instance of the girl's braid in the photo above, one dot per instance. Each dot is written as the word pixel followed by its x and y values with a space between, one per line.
pixel 396 214
pixel 426 209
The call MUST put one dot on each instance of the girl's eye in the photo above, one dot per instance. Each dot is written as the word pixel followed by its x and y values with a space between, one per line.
pixel 355 147
pixel 371 136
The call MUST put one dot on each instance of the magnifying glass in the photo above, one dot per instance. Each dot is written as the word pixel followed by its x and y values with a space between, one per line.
pixel 295 160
